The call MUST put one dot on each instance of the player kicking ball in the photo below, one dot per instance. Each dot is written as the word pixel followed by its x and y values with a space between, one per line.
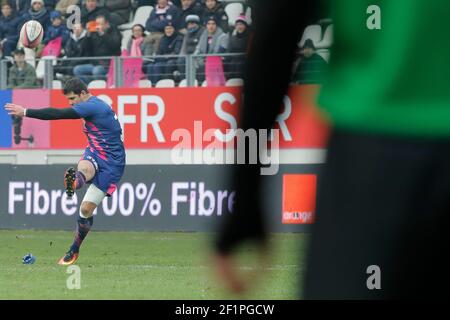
pixel 103 162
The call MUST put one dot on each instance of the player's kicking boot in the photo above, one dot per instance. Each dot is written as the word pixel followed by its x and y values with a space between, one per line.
pixel 69 258
pixel 70 182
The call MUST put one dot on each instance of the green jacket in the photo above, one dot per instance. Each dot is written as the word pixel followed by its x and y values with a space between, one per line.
pixel 310 70
pixel 394 80
pixel 21 79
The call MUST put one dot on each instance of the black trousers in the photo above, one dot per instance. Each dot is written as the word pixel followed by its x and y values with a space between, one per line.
pixel 382 201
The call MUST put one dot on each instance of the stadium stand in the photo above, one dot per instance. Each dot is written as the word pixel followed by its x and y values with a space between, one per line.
pixel 165 83
pixel 40 68
pixel 126 36
pixel 145 83
pixel 325 54
pixel 314 53
pixel 57 84
pixel 30 56
pixel 233 82
pixel 233 11
pixel 248 14
pixel 313 32
pixel 218 12
pixel 97 84
pixel 320 33
pixel 327 39
pixel 183 83
pixel 140 17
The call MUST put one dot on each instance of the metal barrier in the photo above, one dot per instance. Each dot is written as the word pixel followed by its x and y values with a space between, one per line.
pixel 183 70
pixel 180 70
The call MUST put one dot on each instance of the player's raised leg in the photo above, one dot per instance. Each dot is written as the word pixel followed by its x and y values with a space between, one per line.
pixel 74 180
pixel 91 200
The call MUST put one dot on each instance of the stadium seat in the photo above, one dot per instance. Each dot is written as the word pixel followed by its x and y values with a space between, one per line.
pixel 56 84
pixel 97 84
pixel 30 56
pixel 40 68
pixel 183 83
pixel 324 53
pixel 326 21
pixel 145 83
pixel 313 32
pixel 327 39
pixel 165 83
pixel 204 84
pixel 233 11
pixel 126 36
pixel 141 16
pixel 248 15
pixel 234 82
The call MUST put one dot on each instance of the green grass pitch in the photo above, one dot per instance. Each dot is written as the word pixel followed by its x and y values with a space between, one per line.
pixel 141 265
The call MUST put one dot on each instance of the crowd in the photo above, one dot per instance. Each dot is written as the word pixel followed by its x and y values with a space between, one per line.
pixel 172 30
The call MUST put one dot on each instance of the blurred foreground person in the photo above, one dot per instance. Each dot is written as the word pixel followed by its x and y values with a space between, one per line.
pixel 383 206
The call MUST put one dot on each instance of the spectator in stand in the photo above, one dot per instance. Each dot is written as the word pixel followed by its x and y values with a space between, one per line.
pixel 89 13
pixel 39 13
pixel 62 6
pixel 50 5
pixel 21 75
pixel 136 45
pixel 106 41
pixel 311 66
pixel 119 10
pixel 9 29
pixel 141 3
pixel 76 47
pixel 193 33
pixel 57 29
pixel 170 45
pixel 179 3
pixel 239 42
pixel 20 6
pixel 156 22
pixel 213 8
pixel 188 7
pixel 153 3
pixel 213 40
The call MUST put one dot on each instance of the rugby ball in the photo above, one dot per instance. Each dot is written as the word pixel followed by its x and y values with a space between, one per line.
pixel 31 34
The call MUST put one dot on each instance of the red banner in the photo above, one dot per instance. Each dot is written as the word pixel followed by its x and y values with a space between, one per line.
pixel 299 198
pixel 154 118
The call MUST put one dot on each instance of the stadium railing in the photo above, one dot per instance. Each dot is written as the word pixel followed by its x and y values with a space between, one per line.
pixel 190 68
pixel 146 71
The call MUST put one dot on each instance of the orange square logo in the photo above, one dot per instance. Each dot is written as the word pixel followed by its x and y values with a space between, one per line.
pixel 299 198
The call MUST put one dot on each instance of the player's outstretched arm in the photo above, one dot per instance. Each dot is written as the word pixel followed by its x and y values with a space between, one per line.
pixel 42 114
